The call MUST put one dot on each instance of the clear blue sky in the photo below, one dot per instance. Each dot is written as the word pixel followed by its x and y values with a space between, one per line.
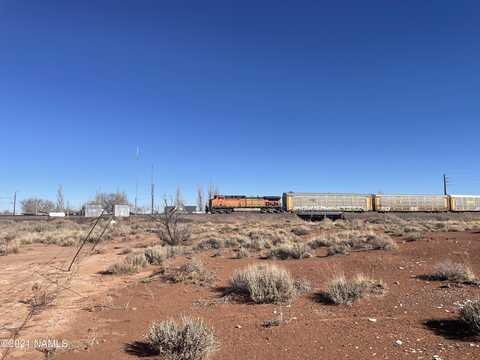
pixel 258 97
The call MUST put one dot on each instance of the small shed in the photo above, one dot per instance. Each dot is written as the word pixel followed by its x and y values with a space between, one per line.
pixel 93 210
pixel 189 209
pixel 121 210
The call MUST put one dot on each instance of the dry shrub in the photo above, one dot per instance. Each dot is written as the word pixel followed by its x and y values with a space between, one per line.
pixel 290 251
pixel 8 245
pixel 301 230
pixel 258 240
pixel 40 297
pixel 356 240
pixel 172 230
pixel 339 249
pixel 131 264
pixel 210 244
pixel 324 240
pixel 193 272
pixel 346 291
pixel 302 286
pixel 326 224
pixel 192 339
pixel 456 272
pixel 414 236
pixel 470 315
pixel 358 224
pixel 263 284
pixel 242 253
pixel 255 244
pixel 231 243
pixel 156 255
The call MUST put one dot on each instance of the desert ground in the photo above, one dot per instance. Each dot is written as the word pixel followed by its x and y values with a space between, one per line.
pixel 412 275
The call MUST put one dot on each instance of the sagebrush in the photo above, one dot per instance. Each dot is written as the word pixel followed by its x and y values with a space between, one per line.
pixel 191 339
pixel 263 284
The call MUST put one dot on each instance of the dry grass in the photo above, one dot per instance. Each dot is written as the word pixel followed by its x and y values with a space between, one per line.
pixel 414 236
pixel 263 284
pixel 57 232
pixel 132 263
pixel 156 255
pixel 456 272
pixel 346 291
pixel 344 242
pixel 290 251
pixel 193 272
pixel 192 339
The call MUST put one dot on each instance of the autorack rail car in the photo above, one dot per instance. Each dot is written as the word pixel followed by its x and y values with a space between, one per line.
pixel 411 203
pixel 319 203
pixel 231 203
pixel 460 203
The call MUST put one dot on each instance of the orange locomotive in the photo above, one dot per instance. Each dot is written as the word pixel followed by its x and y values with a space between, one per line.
pixel 229 203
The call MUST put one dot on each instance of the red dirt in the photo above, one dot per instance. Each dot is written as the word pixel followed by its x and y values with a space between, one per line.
pixel 315 330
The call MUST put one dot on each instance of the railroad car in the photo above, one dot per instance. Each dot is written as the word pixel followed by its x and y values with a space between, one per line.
pixel 460 203
pixel 411 203
pixel 326 202
pixel 231 203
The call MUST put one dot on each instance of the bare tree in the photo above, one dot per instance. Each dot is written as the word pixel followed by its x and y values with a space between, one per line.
pixel 172 231
pixel 212 191
pixel 109 200
pixel 60 199
pixel 200 198
pixel 178 199
pixel 37 206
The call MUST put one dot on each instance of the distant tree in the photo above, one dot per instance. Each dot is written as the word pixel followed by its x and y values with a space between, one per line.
pixel 178 199
pixel 60 199
pixel 200 198
pixel 212 191
pixel 109 200
pixel 37 206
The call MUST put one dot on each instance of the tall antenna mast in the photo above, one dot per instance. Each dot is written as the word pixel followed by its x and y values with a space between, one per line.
pixel 137 157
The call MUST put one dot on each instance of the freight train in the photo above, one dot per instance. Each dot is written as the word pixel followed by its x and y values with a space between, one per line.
pixel 338 203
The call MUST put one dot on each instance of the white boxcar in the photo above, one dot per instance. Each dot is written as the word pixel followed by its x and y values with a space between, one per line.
pixel 401 203
pixel 121 210
pixel 93 210
pixel 305 202
pixel 465 202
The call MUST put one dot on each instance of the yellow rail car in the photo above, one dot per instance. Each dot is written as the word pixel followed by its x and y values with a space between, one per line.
pixel 460 203
pixel 325 202
pixel 411 203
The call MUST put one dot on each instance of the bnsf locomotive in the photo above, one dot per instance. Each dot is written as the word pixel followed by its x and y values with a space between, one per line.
pixel 323 203
pixel 229 203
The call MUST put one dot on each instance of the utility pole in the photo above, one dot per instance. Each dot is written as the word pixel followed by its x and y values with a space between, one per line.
pixel 14 202
pixel 153 195
pixel 445 183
